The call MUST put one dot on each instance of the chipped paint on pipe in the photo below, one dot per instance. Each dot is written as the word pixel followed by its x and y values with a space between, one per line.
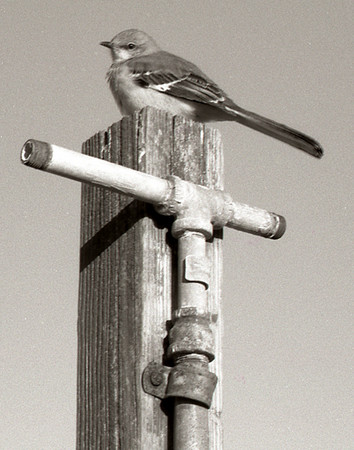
pixel 169 196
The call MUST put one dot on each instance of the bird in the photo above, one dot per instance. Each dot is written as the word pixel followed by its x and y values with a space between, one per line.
pixel 142 74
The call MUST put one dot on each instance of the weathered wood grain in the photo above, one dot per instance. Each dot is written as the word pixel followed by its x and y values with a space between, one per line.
pixel 127 283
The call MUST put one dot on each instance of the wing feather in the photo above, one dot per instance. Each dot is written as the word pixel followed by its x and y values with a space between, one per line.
pixel 175 76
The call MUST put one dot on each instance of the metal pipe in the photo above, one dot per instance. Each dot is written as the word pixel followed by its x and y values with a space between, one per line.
pixel 170 196
pixel 256 221
pixel 191 429
pixel 192 268
pixel 87 169
pixel 198 211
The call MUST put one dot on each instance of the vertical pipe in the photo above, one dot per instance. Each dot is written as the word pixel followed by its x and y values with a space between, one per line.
pixel 191 429
pixel 191 426
pixel 191 294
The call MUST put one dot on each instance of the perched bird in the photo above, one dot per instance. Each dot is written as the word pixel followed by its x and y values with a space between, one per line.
pixel 144 75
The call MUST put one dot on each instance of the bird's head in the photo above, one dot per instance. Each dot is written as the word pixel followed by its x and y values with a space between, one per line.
pixel 129 44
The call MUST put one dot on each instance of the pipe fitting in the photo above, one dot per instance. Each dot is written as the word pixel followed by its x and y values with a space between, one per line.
pixel 191 334
pixel 196 208
pixel 195 224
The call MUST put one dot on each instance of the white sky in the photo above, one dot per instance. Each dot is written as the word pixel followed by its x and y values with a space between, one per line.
pixel 287 304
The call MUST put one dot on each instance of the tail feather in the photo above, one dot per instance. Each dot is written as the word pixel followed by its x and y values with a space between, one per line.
pixel 276 130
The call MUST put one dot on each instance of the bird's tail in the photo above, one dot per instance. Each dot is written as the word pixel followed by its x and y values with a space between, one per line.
pixel 276 130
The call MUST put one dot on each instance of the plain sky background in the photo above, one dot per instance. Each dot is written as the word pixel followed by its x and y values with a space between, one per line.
pixel 287 304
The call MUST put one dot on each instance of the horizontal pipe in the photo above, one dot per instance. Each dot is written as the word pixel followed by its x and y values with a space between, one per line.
pixel 256 221
pixel 139 185
pixel 87 169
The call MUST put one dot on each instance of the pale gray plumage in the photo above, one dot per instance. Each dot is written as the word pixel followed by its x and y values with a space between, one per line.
pixel 144 75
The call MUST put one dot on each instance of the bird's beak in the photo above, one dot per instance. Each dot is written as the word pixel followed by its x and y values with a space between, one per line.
pixel 106 44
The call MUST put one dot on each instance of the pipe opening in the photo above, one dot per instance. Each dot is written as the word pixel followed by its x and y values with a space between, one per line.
pixel 26 152
pixel 36 154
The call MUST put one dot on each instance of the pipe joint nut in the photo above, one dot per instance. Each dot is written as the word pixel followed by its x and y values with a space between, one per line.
pixel 191 335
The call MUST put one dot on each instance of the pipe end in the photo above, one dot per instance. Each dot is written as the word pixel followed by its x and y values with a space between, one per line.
pixel 36 154
pixel 280 228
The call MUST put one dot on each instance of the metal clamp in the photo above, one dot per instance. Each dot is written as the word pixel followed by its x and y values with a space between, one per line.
pixel 184 380
pixel 197 270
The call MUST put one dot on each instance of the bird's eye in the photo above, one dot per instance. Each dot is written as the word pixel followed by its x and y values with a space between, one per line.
pixel 131 45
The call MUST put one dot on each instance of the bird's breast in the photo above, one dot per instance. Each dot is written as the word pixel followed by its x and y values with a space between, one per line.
pixel 130 96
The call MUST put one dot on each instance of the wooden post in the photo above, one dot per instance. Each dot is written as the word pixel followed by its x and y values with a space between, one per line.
pixel 127 283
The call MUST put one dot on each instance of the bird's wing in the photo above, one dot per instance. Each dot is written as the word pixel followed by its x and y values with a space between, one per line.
pixel 175 76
